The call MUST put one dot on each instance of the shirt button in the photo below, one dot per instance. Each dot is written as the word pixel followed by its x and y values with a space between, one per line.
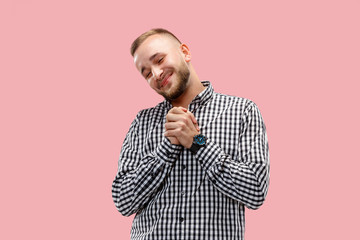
pixel 183 166
pixel 183 193
pixel 182 219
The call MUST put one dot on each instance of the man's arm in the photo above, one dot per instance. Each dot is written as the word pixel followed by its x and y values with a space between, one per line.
pixel 245 179
pixel 139 177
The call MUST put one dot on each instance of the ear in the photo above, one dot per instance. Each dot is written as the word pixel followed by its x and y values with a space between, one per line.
pixel 186 52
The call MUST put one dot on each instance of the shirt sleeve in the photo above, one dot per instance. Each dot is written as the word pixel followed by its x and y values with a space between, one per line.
pixel 138 176
pixel 245 179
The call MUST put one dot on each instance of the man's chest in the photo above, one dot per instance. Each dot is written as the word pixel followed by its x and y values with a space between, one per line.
pixel 222 126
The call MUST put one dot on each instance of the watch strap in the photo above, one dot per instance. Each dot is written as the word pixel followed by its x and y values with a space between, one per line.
pixel 194 148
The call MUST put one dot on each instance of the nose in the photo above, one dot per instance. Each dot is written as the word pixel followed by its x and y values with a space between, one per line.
pixel 156 71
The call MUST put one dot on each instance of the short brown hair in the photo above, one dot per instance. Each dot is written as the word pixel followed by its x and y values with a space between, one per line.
pixel 138 41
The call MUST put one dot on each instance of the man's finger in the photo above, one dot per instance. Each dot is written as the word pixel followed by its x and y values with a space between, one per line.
pixel 197 127
pixel 171 133
pixel 171 117
pixel 171 125
pixel 193 119
pixel 178 110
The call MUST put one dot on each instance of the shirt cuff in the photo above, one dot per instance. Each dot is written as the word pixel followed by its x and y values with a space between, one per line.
pixel 211 157
pixel 168 152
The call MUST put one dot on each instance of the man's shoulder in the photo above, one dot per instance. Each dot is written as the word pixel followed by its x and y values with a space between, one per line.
pixel 234 100
pixel 152 111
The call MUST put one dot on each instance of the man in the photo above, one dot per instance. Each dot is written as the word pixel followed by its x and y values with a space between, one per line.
pixel 189 165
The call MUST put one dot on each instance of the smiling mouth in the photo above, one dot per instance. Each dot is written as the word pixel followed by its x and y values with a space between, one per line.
pixel 165 81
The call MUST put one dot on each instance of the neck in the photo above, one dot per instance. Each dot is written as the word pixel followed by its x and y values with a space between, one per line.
pixel 192 90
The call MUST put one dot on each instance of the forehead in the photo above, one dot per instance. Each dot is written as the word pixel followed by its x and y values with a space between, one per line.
pixel 157 43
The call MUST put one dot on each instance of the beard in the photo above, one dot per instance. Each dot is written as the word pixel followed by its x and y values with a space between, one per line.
pixel 181 84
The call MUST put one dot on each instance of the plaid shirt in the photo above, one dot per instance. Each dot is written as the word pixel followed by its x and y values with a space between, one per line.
pixel 180 195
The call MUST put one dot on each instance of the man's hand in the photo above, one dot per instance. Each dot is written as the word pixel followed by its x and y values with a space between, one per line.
pixel 181 126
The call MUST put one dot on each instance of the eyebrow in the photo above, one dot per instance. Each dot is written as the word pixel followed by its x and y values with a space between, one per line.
pixel 151 58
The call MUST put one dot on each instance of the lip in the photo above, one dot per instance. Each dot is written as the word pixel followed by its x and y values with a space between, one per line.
pixel 165 81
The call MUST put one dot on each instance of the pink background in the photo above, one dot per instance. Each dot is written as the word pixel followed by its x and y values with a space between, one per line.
pixel 69 92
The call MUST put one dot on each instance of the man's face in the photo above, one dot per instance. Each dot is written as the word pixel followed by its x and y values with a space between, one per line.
pixel 161 62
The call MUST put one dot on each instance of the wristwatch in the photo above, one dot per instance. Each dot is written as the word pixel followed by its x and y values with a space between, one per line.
pixel 199 141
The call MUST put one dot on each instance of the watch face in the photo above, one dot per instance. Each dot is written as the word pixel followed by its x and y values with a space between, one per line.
pixel 200 139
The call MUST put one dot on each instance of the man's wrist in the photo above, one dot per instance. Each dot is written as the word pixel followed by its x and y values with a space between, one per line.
pixel 199 141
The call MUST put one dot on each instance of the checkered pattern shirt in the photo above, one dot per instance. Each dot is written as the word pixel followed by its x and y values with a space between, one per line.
pixel 180 195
